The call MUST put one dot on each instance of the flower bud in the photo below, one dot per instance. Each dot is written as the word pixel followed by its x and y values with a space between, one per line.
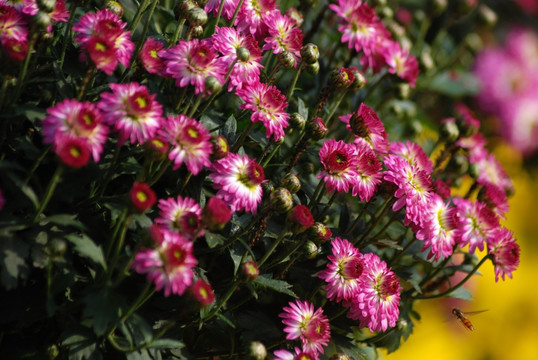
pixel 426 59
pixel 156 148
pixel 458 164
pixel 212 84
pixel 250 270
pixel 291 182
pixel 257 351
pixel 41 20
pixel 308 168
pixel 58 247
pixel 474 170
pixel 310 250
pixel 202 3
pixel 242 53
pixel 449 131
pixel 320 232
pixel 341 78
pixel 182 7
pixel 216 214
pixel 297 121
pixel 386 12
pixel 196 16
pixel 202 292
pixel 142 197
pixel 317 129
pixel 360 79
pixel 280 200
pixel 197 31
pixel 313 68
pixel 299 219
pixel 310 53
pixel 286 59
pixel 46 5
pixel 404 89
pixel 439 5
pixel 487 15
pixel 401 324
pixel 268 187
pixel 114 7
pixel 220 147
pixel 339 357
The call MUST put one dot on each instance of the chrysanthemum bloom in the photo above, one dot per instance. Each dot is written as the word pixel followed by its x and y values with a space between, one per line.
pixel 299 219
pixel 227 41
pixel 344 8
pixel 401 63
pixel 142 197
pixel 302 322
pixel 502 245
pixel 376 305
pixel 268 105
pixel 72 151
pixel 238 181
pixel 492 172
pixel 170 264
pixel 343 271
pixel 251 17
pixel 58 14
pixel 283 35
pixel 475 146
pixel 367 127
pixel 369 172
pixel 149 56
pixel 104 29
pixel 413 153
pixel 131 110
pixel 442 188
pixel 438 230
pixel 339 165
pixel 13 33
pixel 192 62
pixel 228 9
pixel 495 198
pixel 190 142
pixel 79 120
pixel 202 292
pixel 297 354
pixel 476 223
pixel 182 215
pixel 216 214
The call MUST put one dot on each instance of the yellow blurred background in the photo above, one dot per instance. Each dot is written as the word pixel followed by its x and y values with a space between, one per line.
pixel 509 329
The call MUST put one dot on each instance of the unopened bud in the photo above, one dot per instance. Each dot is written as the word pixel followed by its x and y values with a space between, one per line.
pixel 404 90
pixel 46 5
pixel 197 31
pixel 291 182
pixel 320 232
pixel 317 129
pixel 220 147
pixel 439 5
pixel 202 3
pixel 299 219
pixel 267 187
pixel 308 168
pixel 426 59
pixel 280 200
pixel 297 121
pixel 386 12
pixel 458 164
pixel 286 59
pixel 257 351
pixel 242 53
pixel 487 15
pixel 196 16
pixel 183 7
pixel 310 250
pixel 41 20
pixel 313 68
pixel 474 170
pixel 115 7
pixel 156 148
pixel 216 214
pixel 250 270
pixel 341 78
pixel 58 247
pixel 310 53
pixel 212 84
pixel 402 324
pixel 449 130
pixel 360 79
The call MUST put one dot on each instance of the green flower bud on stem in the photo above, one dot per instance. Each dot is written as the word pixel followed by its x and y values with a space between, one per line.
pixel 41 20
pixel 196 16
pixel 280 200
pixel 242 53
pixel 310 53
pixel 257 351
pixel 310 250
pixel 115 7
pixel 286 59
pixel 317 129
pixel 449 131
pixel 297 121
pixel 313 68
pixel 212 84
pixel 291 182
pixel 46 5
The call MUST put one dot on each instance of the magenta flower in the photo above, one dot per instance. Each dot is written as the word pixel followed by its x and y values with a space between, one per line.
pixel 339 165
pixel 202 292
pixel 182 215
pixel 267 104
pixel 298 354
pixel 302 322
pixel 283 35
pixel 491 172
pixel 192 62
pixel 58 14
pixel 369 172
pixel 216 214
pixel 72 151
pixel 251 18
pixel 76 119
pixel 367 127
pixel 401 63
pixel 238 181
pixel 477 223
pixel 142 197
pixel 413 153
pixel 376 305
pixel 475 146
pixel 496 199
pixel 228 9
pixel 343 271
pixel 505 251
pixel 170 264
pixel 190 142
pixel 131 110
pixel 13 33
pixel 149 56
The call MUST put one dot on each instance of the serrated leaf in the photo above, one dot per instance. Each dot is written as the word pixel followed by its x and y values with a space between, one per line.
pixel 213 239
pixel 461 293
pixel 266 280
pixel 66 220
pixel 103 307
pixel 13 265
pixel 354 351
pixel 85 247
pixel 81 345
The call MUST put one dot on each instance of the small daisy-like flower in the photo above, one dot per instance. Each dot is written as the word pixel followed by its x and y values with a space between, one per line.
pixel 413 153
pixel 192 62
pixel 72 151
pixel 202 292
pixel 492 172
pixel 505 251
pixel 238 181
pixel 477 223
pixel 475 146
pixel 495 198
pixel 216 214
pixel 302 322
pixel 149 56
pixel 251 17
pixel 376 305
pixel 250 270
pixel 344 8
pixel 343 271
pixel 283 35
pixel 228 8
pixel 401 63
pixel 104 30
pixel 132 111
pixel 190 142
pixel 299 219
pixel 367 127
pixel 76 119
pixel 297 354
pixel 267 104
pixel 170 264
pixel 142 197
pixel 339 165
pixel 368 170
pixel 12 24
pixel 182 215
pixel 58 14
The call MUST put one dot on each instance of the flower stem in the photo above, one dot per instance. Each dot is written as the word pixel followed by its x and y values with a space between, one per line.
pixel 24 70
pixel 177 34
pixel 67 32
pixel 50 190
pixel 236 12
pixel 376 220
pixel 272 248
pixel 221 303
pixel 134 23
pixel 291 88
pixel 85 82
pixel 327 206
pixel 335 107
pixel 244 135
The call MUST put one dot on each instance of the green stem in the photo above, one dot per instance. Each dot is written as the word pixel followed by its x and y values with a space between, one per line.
pixel 236 12
pixel 327 206
pixel 181 97
pixel 85 82
pixel 187 179
pixel 5 83
pixel 319 188
pixel 291 88
pixel 195 106
pixel 134 23
pixel 117 227
pixel 221 303
pixel 358 219
pixel 397 257
pixel 67 32
pixel 119 246
pixel 244 135
pixel 272 248
pixel 36 165
pixel 109 172
pixel 335 107
pixel 376 220
pixel 24 69
pixel 50 190
pixel 161 172
pixel 221 7
pixel 177 34
pixel 273 152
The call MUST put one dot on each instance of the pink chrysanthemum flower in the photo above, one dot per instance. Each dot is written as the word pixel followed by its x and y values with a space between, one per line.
pixel 475 146
pixel 251 17
pixel 438 230
pixel 226 41
pixel 283 35
pixel 59 14
pixel 505 251
pixel 104 30
pixel 13 33
pixel 202 292
pixel 76 119
pixel 238 181
pixel 149 56
pixel 72 151
pixel 339 165
pixel 190 142
pixel 376 305
pixel 192 62
pixel 142 197
pixel 228 8
pixel 413 153
pixel 343 271
pixel 182 215
pixel 302 322
pixel 267 104
pixel 496 199
pixel 298 354
pixel 131 110
pixel 401 63
pixel 170 265
pixel 477 223
pixel 369 172
pixel 345 8
pixel 492 172
pixel 367 127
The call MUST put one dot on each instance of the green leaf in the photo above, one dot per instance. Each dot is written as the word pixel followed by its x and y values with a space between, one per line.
pixel 103 307
pixel 229 129
pixel 66 220
pixel 390 243
pixel 213 239
pixel 13 267
pixel 461 293
pixel 81 345
pixel 87 248
pixel 166 344
pixel 236 253
pixel 266 280
pixel 354 351
pixel 454 84
pixel 302 109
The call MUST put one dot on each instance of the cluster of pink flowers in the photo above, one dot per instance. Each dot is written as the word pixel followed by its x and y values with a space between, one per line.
pixel 364 32
pixel 509 86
